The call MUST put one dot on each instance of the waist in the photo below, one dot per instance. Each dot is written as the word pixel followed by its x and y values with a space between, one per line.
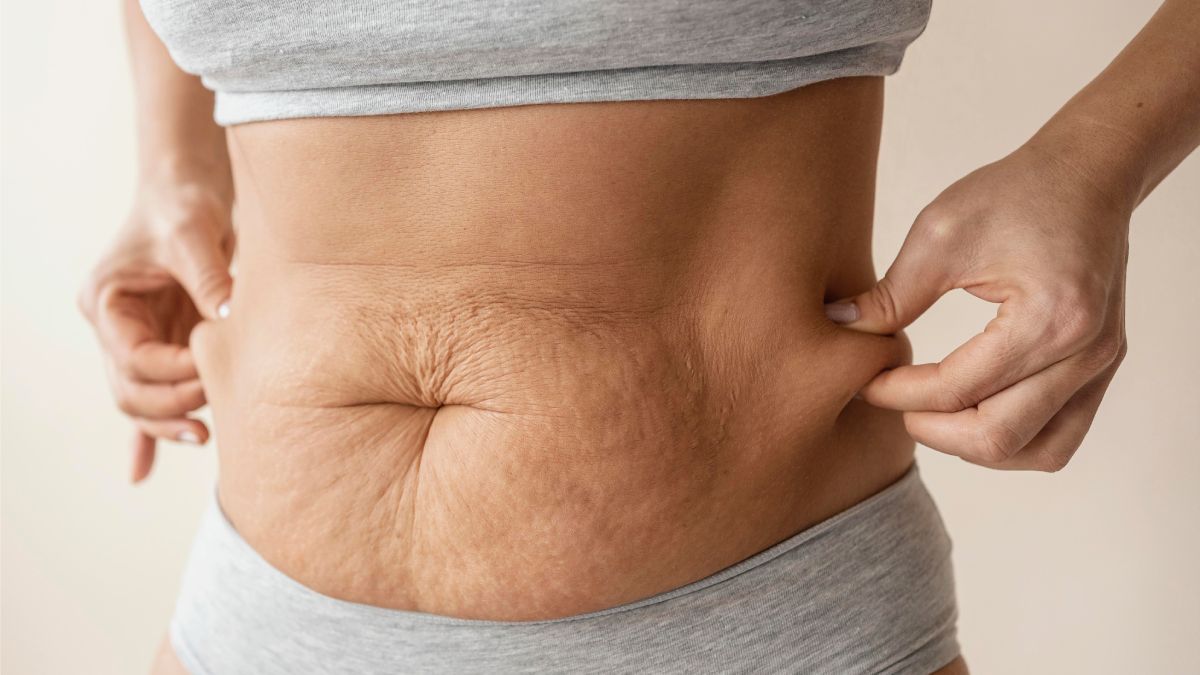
pixel 482 363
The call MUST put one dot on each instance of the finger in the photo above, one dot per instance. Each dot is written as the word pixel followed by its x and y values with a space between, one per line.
pixel 1055 445
pixel 183 429
pixel 197 255
pixel 1001 425
pixel 143 456
pixel 1023 339
pixel 132 276
pixel 914 281
pixel 128 332
pixel 160 400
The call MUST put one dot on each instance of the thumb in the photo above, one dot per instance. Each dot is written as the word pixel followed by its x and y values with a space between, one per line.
pixel 911 285
pixel 200 263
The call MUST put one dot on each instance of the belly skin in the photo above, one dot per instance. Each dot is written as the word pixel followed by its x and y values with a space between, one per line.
pixel 529 362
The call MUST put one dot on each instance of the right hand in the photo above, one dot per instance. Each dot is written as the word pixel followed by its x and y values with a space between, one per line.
pixel 167 270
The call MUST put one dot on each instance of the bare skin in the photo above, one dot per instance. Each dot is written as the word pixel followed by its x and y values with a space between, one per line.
pixel 527 351
pixel 549 382
pixel 605 322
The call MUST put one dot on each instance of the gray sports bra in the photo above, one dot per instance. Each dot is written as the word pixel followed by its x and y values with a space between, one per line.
pixel 273 59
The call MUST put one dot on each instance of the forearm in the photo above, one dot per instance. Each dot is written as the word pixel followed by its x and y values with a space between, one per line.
pixel 176 134
pixel 1140 117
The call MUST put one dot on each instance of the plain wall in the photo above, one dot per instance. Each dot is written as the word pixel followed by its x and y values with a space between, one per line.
pixel 1091 570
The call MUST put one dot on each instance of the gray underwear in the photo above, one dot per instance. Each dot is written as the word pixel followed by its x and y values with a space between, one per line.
pixel 869 590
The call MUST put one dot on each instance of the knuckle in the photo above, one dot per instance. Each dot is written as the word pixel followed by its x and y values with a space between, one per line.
pixel 206 292
pixel 1075 323
pixel 188 215
pixel 1053 461
pixel 1104 351
pixel 935 222
pixel 120 356
pixel 123 363
pixel 1076 312
pixel 180 225
pixel 886 301
pixel 955 395
pixel 951 400
pixel 211 282
pixel 997 442
pixel 125 402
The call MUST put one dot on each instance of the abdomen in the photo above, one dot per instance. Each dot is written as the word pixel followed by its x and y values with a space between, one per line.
pixel 535 361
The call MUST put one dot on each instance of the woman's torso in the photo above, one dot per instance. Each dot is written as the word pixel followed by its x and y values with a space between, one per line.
pixel 534 361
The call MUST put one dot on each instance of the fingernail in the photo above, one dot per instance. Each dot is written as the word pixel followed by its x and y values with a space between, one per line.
pixel 188 436
pixel 841 312
pixel 223 310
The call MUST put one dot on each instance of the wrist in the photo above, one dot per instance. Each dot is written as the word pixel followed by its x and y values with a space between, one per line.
pixel 1099 156
pixel 164 170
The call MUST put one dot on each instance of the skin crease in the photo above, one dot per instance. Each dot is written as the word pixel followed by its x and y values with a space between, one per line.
pixel 632 265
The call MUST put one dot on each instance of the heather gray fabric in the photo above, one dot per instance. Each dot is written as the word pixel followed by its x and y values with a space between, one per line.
pixel 305 58
pixel 869 590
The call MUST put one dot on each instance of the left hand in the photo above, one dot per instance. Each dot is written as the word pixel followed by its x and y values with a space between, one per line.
pixel 167 269
pixel 1037 235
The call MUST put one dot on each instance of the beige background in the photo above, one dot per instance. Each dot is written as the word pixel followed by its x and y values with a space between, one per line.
pixel 1093 570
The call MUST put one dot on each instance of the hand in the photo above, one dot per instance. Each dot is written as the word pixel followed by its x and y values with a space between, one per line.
pixel 167 269
pixel 1037 235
